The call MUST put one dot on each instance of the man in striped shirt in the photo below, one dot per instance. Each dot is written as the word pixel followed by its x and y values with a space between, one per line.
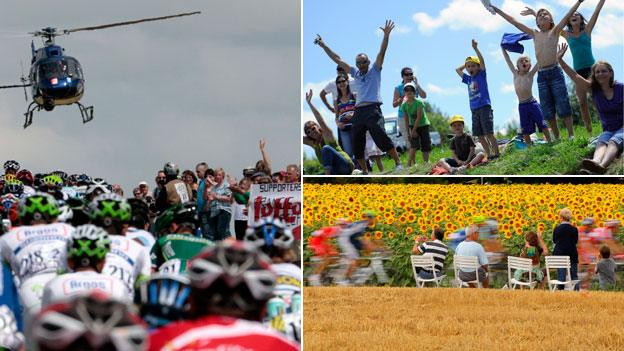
pixel 435 248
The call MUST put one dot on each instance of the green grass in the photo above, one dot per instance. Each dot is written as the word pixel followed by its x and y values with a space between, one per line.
pixel 561 157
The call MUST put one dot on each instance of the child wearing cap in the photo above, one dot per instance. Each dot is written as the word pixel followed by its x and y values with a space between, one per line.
pixel 418 125
pixel 480 105
pixel 463 149
pixel 528 108
pixel 553 92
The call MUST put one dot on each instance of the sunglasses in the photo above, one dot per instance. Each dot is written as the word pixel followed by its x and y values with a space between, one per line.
pixel 408 74
pixel 341 81
pixel 361 62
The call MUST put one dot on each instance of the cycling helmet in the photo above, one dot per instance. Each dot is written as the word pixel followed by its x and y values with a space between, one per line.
pixel 61 175
pixel 109 209
pixel 11 165
pixel 83 179
pixel 39 206
pixel 10 337
pixel 73 179
pixel 66 213
pixel 231 278
pixel 9 178
pixel 79 216
pixel 163 298
pixel 93 321
pixel 37 179
pixel 140 212
pixel 88 245
pixel 8 200
pixel 186 214
pixel 25 176
pixel 15 187
pixel 269 232
pixel 171 169
pixel 96 187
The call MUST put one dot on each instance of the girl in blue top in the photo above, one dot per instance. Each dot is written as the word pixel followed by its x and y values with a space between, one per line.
pixel 578 35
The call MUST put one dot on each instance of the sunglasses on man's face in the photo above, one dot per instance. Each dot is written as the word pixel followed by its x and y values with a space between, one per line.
pixel 410 74
pixel 361 62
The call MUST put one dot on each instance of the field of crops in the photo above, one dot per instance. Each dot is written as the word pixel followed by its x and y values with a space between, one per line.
pixel 461 319
pixel 407 211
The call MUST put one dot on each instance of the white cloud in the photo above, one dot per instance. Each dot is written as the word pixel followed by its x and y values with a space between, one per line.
pixel 507 88
pixel 607 32
pixel 434 89
pixel 463 14
pixel 316 87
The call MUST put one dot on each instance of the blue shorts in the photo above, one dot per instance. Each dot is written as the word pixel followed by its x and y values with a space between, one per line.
pixel 617 137
pixel 553 93
pixel 483 121
pixel 531 116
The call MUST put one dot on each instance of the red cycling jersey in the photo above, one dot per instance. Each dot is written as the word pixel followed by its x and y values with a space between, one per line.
pixel 319 242
pixel 218 333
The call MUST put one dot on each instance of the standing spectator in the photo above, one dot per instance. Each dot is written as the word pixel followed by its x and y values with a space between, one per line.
pixel 240 193
pixel 345 108
pixel 407 76
pixel 203 207
pixel 175 191
pixel 220 201
pixel 263 165
pixel 137 193
pixel 293 174
pixel 368 116
pixel 160 180
pixel 189 178
pixel 565 237
pixel 437 249
pixel 331 88
pixel 470 247
pixel 144 188
pixel 320 137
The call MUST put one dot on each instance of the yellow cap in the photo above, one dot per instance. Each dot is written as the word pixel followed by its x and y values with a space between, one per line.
pixel 457 118
pixel 473 59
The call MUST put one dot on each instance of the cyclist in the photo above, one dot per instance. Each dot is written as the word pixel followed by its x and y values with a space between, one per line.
pixel 139 223
pixel 323 251
pixel 127 260
pixel 37 249
pixel 86 253
pixel 163 298
pixel 349 240
pixel 274 239
pixel 11 167
pixel 26 177
pixel 230 286
pixel 52 185
pixel 172 251
pixel 91 322
pixel 174 191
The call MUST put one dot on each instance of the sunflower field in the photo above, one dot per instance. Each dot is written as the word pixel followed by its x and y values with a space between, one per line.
pixel 407 212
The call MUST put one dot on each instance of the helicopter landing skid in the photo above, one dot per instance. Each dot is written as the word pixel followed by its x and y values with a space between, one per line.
pixel 85 112
pixel 29 113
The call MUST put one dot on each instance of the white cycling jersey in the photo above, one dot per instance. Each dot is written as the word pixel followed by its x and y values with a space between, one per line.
pixel 144 237
pixel 127 261
pixel 66 286
pixel 288 280
pixel 38 249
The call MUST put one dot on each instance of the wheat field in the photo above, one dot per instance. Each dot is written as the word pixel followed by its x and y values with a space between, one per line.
pixel 383 318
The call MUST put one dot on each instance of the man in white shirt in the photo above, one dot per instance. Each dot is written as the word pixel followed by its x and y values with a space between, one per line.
pixel 470 247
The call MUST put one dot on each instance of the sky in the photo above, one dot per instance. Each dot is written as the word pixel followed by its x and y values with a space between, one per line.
pixel 434 38
pixel 199 88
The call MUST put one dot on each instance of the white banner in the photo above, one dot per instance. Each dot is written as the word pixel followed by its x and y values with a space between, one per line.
pixel 281 201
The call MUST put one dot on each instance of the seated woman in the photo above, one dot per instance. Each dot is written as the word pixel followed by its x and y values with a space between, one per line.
pixel 608 96
pixel 320 137
pixel 534 248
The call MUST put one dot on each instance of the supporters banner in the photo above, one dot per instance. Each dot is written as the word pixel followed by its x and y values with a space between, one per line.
pixel 281 201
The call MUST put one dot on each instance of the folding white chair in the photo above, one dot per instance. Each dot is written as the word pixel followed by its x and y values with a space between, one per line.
pixel 526 265
pixel 559 262
pixel 466 263
pixel 426 262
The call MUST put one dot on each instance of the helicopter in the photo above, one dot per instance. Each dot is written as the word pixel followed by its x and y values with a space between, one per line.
pixel 57 79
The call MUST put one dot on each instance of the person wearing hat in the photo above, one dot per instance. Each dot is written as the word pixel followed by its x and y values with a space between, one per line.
pixel 462 148
pixel 480 105
pixel 415 118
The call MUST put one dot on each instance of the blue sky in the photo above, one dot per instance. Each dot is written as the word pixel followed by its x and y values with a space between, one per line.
pixel 433 37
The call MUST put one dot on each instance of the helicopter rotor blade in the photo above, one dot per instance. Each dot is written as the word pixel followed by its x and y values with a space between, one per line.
pixel 67 31
pixel 15 86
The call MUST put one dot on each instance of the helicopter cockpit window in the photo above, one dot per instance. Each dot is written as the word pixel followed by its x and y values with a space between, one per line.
pixel 73 69
pixel 52 69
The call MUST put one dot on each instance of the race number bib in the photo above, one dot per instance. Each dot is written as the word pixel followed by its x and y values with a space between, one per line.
pixel 126 276
pixel 42 259
pixel 171 266
pixel 181 190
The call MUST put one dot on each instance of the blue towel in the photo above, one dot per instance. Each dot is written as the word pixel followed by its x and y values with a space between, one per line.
pixel 511 41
